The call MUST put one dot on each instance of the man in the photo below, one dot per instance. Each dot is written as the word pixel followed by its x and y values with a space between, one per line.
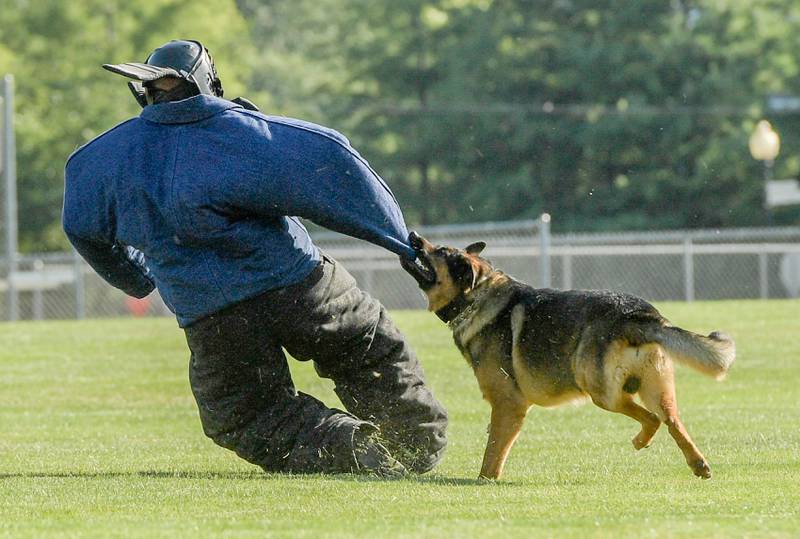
pixel 196 197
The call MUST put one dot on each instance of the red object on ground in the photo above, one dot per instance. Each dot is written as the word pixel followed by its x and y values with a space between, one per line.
pixel 136 306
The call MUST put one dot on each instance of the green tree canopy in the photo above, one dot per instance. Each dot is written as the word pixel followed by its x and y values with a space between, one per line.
pixel 64 98
pixel 609 114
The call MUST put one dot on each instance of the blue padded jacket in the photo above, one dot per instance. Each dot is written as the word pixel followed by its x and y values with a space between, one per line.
pixel 199 198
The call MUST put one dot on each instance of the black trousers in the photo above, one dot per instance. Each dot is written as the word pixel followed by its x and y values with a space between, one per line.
pixel 248 403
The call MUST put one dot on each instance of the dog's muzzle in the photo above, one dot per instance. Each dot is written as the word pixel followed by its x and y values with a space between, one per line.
pixel 416 241
pixel 420 269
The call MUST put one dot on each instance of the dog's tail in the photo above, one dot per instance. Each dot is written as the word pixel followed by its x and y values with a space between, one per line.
pixel 711 355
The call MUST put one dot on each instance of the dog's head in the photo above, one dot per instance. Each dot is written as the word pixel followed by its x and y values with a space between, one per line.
pixel 445 273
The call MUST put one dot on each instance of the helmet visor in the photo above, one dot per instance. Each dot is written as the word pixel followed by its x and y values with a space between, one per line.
pixel 142 72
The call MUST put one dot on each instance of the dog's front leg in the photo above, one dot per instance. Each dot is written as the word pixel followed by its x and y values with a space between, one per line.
pixel 507 419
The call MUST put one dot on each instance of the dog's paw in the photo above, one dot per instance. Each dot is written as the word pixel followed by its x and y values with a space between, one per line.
pixel 639 443
pixel 701 469
pixel 483 480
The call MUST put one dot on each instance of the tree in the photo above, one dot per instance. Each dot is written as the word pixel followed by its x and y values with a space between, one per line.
pixel 64 98
pixel 612 114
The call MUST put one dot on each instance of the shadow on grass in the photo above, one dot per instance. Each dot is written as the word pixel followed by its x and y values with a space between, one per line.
pixel 421 479
pixel 250 476
pixel 156 474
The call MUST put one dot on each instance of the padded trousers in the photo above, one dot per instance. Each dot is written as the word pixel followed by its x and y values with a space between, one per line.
pixel 248 403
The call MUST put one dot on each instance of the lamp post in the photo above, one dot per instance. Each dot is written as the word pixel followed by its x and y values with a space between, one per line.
pixel 765 144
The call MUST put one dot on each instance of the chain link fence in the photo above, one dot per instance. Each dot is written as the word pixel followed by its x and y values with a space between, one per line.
pixel 514 246
pixel 659 266
pixel 681 265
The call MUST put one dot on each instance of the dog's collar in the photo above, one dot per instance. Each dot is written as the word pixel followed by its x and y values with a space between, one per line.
pixel 461 306
pixel 449 312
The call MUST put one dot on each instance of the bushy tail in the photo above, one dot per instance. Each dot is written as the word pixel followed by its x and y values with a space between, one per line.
pixel 712 355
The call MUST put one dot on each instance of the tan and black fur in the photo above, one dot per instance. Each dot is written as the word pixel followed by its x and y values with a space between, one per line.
pixel 547 347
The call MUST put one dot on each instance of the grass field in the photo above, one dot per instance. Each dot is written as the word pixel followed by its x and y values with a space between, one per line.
pixel 99 436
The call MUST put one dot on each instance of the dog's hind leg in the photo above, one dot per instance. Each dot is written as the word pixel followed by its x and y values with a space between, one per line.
pixel 625 404
pixel 694 458
pixel 658 395
pixel 615 387
pixel 649 421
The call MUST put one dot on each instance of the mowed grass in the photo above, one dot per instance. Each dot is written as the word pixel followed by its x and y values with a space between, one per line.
pixel 99 436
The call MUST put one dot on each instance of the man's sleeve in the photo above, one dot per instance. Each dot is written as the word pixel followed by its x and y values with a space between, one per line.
pixel 117 265
pixel 87 228
pixel 320 177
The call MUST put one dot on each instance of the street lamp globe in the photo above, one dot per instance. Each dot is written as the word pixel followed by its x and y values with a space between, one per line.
pixel 765 144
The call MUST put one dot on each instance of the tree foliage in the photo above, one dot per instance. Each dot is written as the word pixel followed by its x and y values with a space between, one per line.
pixel 609 114
pixel 615 114
pixel 64 98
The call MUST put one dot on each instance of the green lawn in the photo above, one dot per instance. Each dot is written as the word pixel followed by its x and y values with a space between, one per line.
pixel 99 436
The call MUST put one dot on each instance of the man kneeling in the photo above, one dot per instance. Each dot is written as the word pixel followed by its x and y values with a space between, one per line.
pixel 196 197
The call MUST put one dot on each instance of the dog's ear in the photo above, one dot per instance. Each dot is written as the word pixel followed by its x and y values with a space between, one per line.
pixel 475 248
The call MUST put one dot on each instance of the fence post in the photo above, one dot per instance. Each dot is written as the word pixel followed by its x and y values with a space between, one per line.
pixel 544 251
pixel 369 278
pixel 37 306
pixel 566 270
pixel 80 286
pixel 763 276
pixel 10 176
pixel 688 269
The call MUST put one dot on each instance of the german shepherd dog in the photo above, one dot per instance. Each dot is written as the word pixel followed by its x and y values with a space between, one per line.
pixel 531 346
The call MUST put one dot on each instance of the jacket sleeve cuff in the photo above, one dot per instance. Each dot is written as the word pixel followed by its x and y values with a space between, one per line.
pixel 112 264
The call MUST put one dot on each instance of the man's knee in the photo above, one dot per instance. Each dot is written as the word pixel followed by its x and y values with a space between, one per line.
pixel 389 389
pixel 224 415
pixel 292 434
pixel 423 453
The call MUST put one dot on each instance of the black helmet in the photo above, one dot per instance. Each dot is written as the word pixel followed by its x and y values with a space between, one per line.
pixel 184 59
